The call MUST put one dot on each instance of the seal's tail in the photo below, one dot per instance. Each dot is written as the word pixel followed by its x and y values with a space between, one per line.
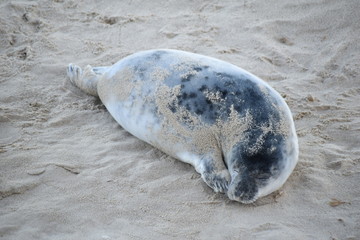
pixel 86 80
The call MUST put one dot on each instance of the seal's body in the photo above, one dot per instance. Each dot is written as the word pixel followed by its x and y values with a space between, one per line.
pixel 231 126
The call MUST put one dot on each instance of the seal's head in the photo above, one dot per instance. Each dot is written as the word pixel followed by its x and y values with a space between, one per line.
pixel 250 178
pixel 257 174
pixel 247 186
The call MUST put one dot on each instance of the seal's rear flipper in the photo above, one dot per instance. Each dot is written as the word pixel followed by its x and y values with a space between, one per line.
pixel 86 80
pixel 100 70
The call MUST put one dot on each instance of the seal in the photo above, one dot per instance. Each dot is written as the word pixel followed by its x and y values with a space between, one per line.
pixel 235 129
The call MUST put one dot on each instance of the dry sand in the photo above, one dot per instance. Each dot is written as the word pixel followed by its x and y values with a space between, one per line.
pixel 68 171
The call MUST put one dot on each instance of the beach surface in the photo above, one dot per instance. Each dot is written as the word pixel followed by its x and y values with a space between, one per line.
pixel 69 171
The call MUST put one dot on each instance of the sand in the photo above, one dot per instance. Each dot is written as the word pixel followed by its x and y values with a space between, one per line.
pixel 68 171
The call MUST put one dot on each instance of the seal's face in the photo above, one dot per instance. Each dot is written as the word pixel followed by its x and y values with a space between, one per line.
pixel 243 188
pixel 254 175
pixel 247 186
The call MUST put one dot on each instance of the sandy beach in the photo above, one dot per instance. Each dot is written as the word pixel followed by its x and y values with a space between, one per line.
pixel 69 171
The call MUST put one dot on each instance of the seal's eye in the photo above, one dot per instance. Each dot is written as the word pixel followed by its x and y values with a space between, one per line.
pixel 263 176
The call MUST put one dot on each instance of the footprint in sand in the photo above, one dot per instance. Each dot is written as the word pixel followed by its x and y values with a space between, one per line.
pixel 8 133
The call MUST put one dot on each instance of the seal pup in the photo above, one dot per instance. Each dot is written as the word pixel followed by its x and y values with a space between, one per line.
pixel 235 129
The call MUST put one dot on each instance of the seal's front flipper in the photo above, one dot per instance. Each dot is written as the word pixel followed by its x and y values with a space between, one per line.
pixel 219 181
pixel 215 174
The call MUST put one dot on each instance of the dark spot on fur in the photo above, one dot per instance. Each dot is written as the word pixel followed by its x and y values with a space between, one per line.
pixel 157 55
pixel 199 112
pixel 172 108
pixel 192 95
pixel 203 88
pixel 225 76
pixel 185 118
pixel 237 108
pixel 187 78
pixel 224 93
